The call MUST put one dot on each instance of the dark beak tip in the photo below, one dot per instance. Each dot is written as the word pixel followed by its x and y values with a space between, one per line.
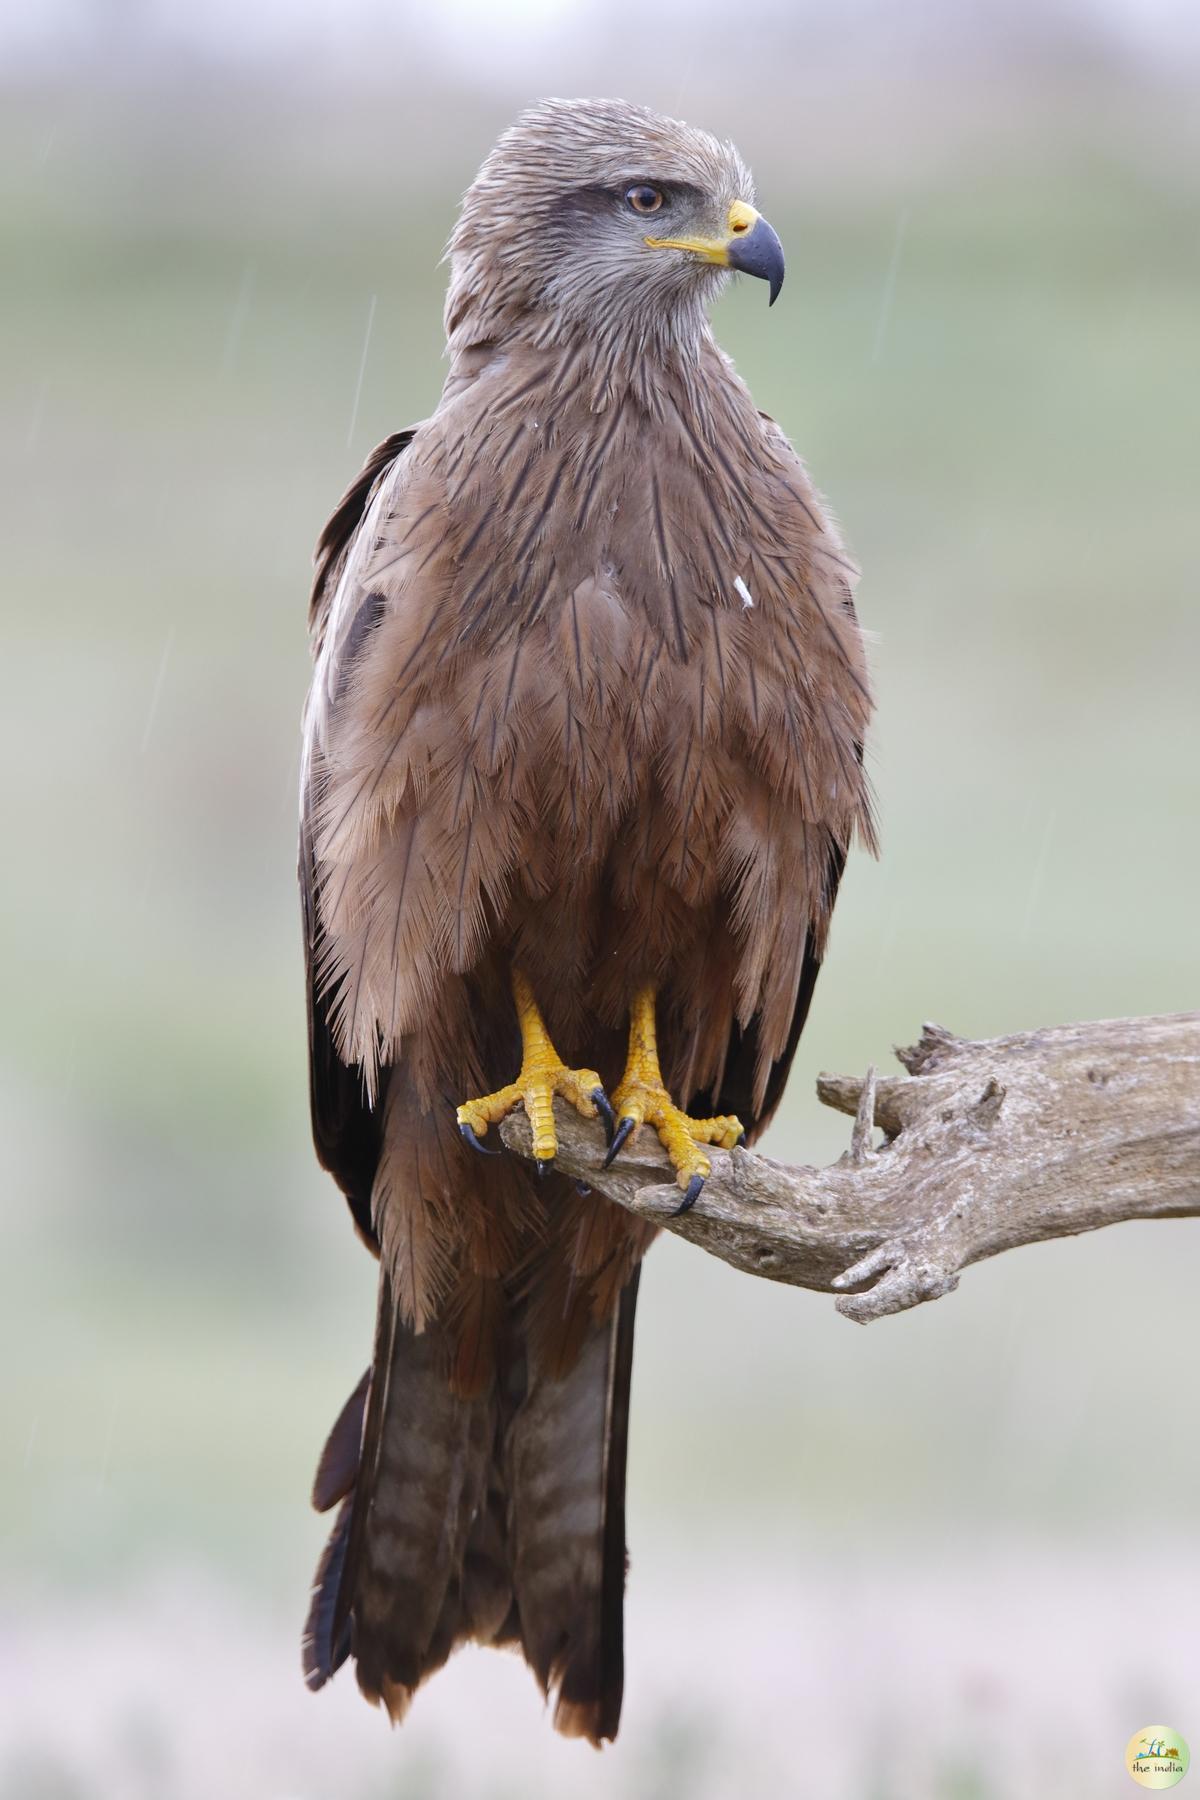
pixel 760 253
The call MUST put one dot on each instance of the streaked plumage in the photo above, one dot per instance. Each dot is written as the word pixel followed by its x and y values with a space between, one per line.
pixel 590 699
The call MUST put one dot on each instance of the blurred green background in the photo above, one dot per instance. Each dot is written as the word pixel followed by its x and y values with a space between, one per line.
pixel 912 1561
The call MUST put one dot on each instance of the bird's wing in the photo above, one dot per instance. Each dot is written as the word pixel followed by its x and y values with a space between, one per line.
pixel 346 1131
pixel 735 1093
pixel 329 558
pixel 830 579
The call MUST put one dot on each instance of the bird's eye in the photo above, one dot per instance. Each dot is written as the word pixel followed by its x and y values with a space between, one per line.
pixel 643 198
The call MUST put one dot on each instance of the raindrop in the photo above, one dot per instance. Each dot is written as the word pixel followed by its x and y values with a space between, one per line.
pixel 36 415
pixel 1039 874
pixel 237 319
pixel 156 692
pixel 106 1455
pixel 362 369
pixel 889 285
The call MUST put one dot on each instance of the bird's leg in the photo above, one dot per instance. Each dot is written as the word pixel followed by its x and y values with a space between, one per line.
pixel 542 1075
pixel 641 1098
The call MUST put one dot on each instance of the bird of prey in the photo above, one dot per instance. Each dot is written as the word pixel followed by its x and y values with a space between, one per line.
pixel 583 757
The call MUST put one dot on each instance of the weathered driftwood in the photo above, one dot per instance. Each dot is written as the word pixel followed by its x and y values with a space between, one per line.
pixel 986 1146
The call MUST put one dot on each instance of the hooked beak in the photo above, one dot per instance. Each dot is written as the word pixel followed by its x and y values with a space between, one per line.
pixel 751 246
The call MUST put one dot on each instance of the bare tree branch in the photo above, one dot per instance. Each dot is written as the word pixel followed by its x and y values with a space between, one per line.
pixel 986 1146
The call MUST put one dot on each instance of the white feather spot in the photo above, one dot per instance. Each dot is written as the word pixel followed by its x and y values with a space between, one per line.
pixel 744 594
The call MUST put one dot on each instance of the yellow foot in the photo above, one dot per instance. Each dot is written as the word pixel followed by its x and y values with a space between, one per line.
pixel 642 1098
pixel 543 1074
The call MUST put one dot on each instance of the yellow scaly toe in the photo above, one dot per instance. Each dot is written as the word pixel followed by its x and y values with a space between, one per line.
pixel 543 1074
pixel 642 1098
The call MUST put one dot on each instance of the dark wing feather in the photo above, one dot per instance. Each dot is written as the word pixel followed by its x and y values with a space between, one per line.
pixel 735 1093
pixel 334 541
pixel 346 1131
pixel 338 1469
pixel 326 1643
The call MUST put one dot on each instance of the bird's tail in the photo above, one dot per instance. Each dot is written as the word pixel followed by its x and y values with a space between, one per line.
pixel 498 1517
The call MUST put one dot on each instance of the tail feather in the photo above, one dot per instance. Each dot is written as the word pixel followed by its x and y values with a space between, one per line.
pixel 567 1453
pixel 422 1479
pixel 496 1515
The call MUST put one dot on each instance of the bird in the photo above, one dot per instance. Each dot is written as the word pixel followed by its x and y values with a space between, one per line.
pixel 583 758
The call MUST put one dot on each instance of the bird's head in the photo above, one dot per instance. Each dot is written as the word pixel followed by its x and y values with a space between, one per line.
pixel 601 216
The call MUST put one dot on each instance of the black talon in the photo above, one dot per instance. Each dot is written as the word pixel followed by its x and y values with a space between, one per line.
pixel 474 1142
pixel 600 1102
pixel 541 1164
pixel 690 1198
pixel 620 1138
pixel 581 1187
